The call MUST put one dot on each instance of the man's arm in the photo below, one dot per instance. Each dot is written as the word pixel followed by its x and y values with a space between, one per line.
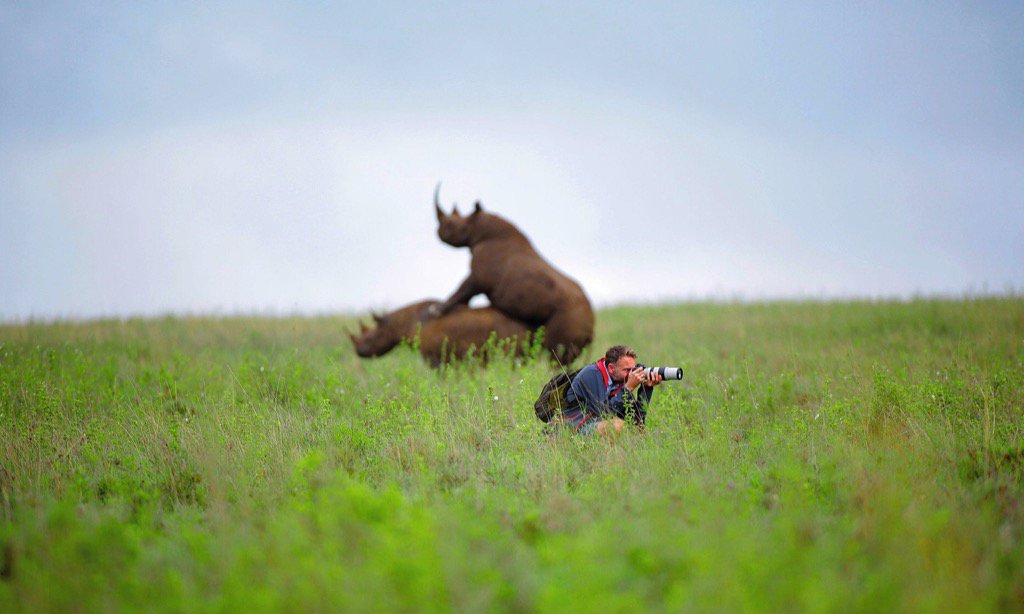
pixel 631 406
pixel 643 396
pixel 587 390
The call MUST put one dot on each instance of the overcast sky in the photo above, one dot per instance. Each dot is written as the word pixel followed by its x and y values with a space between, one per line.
pixel 278 158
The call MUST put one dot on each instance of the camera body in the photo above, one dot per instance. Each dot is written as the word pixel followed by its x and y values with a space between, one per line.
pixel 666 373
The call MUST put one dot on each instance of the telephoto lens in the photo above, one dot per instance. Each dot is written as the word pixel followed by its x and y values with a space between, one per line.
pixel 666 373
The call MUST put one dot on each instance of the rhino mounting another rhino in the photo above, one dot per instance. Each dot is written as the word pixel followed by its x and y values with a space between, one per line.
pixel 517 280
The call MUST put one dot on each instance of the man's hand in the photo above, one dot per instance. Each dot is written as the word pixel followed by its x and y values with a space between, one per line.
pixel 652 380
pixel 638 376
pixel 635 378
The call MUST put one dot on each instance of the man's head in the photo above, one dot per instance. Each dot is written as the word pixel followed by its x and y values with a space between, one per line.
pixel 619 360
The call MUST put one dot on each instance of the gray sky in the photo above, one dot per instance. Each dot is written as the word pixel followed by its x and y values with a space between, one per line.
pixel 274 158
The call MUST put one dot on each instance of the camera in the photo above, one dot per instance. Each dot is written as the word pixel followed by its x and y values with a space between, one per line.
pixel 666 373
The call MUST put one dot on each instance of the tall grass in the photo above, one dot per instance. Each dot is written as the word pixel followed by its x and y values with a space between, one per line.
pixel 836 456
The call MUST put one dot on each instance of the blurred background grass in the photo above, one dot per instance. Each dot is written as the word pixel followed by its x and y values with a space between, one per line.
pixel 820 456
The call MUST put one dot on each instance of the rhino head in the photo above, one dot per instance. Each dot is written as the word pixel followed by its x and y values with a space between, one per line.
pixel 390 329
pixel 456 229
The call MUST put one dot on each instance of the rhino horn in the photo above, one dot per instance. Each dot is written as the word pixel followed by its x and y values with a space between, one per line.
pixel 437 202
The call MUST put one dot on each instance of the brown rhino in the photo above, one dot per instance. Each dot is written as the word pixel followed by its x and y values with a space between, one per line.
pixel 517 280
pixel 441 338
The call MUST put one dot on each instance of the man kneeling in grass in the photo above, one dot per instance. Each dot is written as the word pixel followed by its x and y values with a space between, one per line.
pixel 603 396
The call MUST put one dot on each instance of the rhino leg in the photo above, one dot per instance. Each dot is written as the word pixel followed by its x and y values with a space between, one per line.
pixel 467 290
pixel 569 332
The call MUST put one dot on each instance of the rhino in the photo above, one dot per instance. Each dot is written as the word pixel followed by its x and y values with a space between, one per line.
pixel 441 338
pixel 517 280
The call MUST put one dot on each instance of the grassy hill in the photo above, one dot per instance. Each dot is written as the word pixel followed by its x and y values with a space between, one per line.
pixel 827 456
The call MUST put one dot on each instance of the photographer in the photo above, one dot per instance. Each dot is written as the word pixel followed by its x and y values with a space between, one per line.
pixel 604 395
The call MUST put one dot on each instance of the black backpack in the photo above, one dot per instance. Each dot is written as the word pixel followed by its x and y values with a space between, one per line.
pixel 552 397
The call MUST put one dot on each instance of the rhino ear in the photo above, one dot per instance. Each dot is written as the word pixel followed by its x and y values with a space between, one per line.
pixel 477 208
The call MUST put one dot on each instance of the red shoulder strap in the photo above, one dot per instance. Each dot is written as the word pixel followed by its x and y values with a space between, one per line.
pixel 603 368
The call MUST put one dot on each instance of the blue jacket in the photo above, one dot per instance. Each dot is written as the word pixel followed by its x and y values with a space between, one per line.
pixel 593 393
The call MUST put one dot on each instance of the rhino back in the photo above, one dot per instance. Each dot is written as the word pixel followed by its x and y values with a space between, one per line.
pixel 520 282
pixel 466 327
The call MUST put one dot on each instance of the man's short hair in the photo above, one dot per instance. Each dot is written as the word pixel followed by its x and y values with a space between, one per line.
pixel 616 352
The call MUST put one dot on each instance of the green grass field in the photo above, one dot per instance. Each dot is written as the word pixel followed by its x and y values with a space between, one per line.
pixel 818 456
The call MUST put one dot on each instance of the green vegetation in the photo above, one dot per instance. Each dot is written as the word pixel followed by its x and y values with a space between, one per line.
pixel 820 456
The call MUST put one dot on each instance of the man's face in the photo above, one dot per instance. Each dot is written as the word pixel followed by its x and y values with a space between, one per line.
pixel 621 368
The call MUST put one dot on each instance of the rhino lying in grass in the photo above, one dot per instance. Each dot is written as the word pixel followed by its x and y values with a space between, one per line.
pixel 442 338
pixel 517 280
